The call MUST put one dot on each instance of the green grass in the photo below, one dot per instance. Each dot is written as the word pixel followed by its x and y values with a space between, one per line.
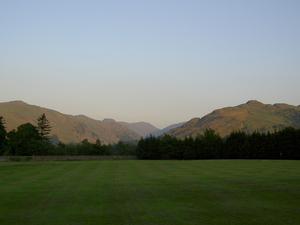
pixel 150 192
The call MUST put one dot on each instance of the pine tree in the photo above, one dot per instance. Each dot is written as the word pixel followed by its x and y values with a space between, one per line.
pixel 3 132
pixel 44 127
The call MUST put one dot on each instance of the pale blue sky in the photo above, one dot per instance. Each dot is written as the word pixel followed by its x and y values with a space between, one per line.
pixel 162 62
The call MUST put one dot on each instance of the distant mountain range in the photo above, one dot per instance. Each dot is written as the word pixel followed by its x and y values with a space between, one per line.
pixel 141 128
pixel 144 129
pixel 65 128
pixel 68 128
pixel 165 130
pixel 248 117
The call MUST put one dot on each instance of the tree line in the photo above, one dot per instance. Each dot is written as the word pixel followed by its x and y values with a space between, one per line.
pixel 29 140
pixel 282 144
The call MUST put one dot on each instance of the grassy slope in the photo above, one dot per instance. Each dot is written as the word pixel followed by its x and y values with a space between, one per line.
pixel 68 128
pixel 251 116
pixel 150 192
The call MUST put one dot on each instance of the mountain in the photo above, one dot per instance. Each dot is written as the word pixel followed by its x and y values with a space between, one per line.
pixel 145 129
pixel 66 128
pixel 166 129
pixel 108 120
pixel 248 117
pixel 141 128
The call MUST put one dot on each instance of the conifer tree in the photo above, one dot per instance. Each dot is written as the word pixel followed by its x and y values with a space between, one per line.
pixel 3 132
pixel 44 127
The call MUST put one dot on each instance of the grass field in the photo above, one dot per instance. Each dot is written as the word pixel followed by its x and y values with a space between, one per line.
pixel 150 192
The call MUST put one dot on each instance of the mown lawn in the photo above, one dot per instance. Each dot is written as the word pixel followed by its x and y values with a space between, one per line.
pixel 150 192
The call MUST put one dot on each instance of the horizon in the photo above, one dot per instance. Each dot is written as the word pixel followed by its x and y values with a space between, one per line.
pixel 161 62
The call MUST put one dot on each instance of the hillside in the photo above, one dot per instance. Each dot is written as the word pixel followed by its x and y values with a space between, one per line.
pixel 67 128
pixel 166 129
pixel 145 129
pixel 248 117
pixel 141 128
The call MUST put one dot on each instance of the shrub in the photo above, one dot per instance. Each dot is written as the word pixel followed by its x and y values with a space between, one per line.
pixel 15 158
pixel 28 158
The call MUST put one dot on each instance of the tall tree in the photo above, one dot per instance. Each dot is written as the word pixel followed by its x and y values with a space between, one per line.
pixel 44 127
pixel 237 146
pixel 189 149
pixel 3 134
pixel 211 144
pixel 170 147
pixel 148 148
pixel 25 140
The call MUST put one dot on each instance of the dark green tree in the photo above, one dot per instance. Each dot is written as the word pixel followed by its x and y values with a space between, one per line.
pixel 170 147
pixel 198 145
pixel 102 148
pixel 189 148
pixel 43 127
pixel 211 144
pixel 148 148
pixel 85 148
pixel 97 147
pixel 297 146
pixel 3 135
pixel 257 145
pixel 25 140
pixel 124 148
pixel 66 149
pixel 287 143
pixel 237 146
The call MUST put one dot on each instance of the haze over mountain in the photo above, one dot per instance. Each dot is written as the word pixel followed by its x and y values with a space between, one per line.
pixel 166 129
pixel 66 128
pixel 141 128
pixel 145 129
pixel 248 117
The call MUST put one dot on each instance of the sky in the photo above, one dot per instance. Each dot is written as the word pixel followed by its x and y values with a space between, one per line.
pixel 157 61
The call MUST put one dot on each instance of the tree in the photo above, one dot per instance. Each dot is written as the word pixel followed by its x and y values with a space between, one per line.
pixel 123 148
pixel 85 147
pixel 211 144
pixel 148 148
pixel 257 145
pixel 189 148
pixel 44 127
pixel 100 149
pixel 287 143
pixel 170 147
pixel 198 145
pixel 25 141
pixel 237 146
pixel 3 135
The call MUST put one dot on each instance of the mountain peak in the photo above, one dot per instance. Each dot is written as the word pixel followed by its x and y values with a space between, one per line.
pixel 249 117
pixel 17 102
pixel 67 128
pixel 109 120
pixel 252 102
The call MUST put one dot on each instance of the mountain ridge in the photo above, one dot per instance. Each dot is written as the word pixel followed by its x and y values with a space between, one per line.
pixel 67 128
pixel 250 116
pixel 166 129
pixel 141 128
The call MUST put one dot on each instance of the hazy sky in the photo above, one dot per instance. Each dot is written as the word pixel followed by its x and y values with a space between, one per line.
pixel 161 61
